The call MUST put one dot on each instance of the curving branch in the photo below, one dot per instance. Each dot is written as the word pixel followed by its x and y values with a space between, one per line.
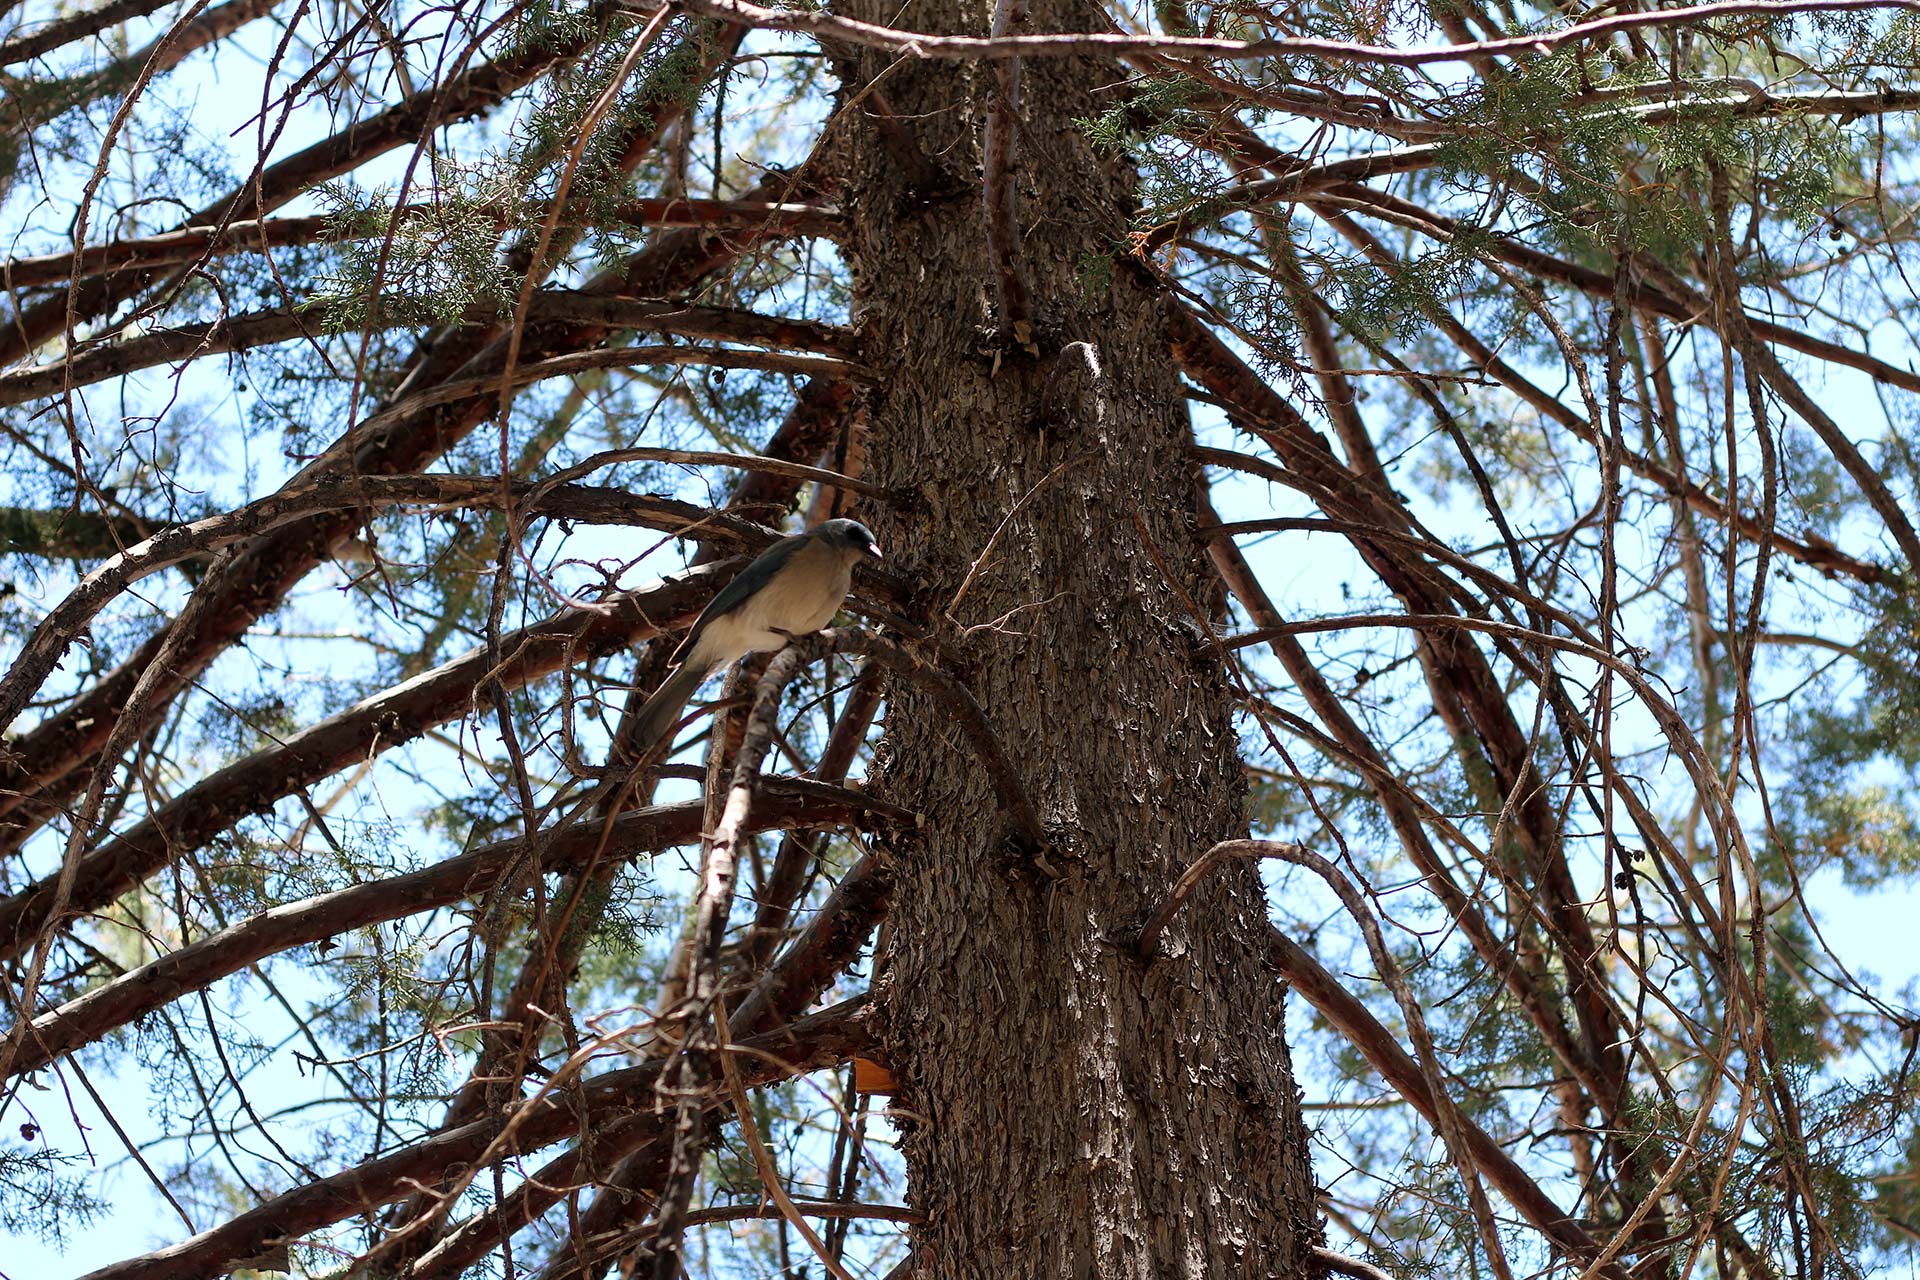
pixel 256 235
pixel 921 44
pixel 255 784
pixel 23 48
pixel 1529 980
pixel 44 760
pixel 97 362
pixel 958 702
pixel 1468 693
pixel 783 804
pixel 615 1101
pixel 1403 1075
pixel 1821 556
pixel 1640 291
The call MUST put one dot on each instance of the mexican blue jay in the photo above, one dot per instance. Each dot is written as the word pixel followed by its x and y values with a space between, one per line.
pixel 792 588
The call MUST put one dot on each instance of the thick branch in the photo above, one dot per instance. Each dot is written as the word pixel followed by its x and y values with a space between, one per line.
pixel 95 363
pixel 623 1097
pixel 920 44
pixel 77 27
pixel 1403 1075
pixel 192 244
pixel 68 620
pixel 783 803
pixel 254 785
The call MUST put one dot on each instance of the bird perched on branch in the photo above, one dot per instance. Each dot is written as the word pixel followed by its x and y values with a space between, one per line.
pixel 792 588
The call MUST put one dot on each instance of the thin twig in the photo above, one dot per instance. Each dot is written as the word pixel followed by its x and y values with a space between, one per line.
pixel 762 1158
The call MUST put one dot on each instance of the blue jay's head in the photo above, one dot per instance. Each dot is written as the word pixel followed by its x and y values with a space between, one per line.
pixel 850 535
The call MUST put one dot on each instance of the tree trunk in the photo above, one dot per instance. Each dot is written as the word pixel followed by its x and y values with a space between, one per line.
pixel 1073 1111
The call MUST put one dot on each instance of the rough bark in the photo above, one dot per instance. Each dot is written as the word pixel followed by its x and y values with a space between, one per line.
pixel 1075 1113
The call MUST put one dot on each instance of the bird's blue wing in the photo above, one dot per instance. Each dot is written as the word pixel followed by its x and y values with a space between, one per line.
pixel 737 592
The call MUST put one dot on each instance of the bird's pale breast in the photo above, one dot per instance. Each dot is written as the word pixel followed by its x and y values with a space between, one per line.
pixel 801 598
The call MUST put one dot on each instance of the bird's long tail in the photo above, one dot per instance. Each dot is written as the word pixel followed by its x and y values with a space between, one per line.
pixel 662 710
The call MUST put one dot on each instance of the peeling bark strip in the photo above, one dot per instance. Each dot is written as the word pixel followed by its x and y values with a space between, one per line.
pixel 1155 1105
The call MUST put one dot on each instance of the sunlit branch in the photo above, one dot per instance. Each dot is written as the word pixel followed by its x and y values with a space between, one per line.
pixel 698 1019
pixel 255 784
pixel 784 803
pixel 920 44
pixel 94 363
pixel 622 1097
pixel 193 244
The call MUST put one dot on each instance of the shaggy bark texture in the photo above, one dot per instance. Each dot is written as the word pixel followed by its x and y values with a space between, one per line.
pixel 1075 1112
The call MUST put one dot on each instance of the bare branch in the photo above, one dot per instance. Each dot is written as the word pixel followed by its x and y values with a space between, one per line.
pixel 919 44
pixel 1383 1053
pixel 193 244
pixel 1021 815
pixel 785 803
pixel 94 363
pixel 620 1098
pixel 20 48
pixel 253 785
